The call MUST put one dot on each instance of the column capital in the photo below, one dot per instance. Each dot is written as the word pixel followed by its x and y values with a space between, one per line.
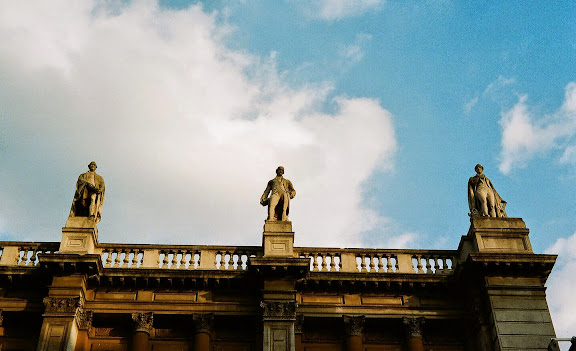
pixel 279 310
pixel 203 323
pixel 413 326
pixel 353 325
pixel 143 321
pixel 299 323
pixel 84 319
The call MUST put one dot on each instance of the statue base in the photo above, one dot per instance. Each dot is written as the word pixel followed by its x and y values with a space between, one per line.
pixel 497 235
pixel 278 239
pixel 80 235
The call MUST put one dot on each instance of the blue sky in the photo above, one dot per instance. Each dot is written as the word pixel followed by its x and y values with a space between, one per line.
pixel 379 111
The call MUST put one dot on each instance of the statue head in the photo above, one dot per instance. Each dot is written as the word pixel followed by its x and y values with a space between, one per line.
pixel 479 168
pixel 279 171
pixel 92 166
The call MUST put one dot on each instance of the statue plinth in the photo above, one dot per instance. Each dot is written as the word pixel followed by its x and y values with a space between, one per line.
pixel 496 235
pixel 278 239
pixel 79 236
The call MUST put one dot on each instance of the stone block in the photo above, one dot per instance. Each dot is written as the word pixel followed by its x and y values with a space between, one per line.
pixel 78 240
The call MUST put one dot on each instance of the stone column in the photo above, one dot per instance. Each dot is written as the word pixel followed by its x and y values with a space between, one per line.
pixel 142 327
pixel 59 329
pixel 278 320
pixel 84 323
pixel 413 329
pixel 298 324
pixel 203 324
pixel 353 326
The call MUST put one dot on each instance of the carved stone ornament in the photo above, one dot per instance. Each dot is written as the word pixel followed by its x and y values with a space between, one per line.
pixel 143 321
pixel 203 322
pixel 1 318
pixel 353 325
pixel 279 309
pixel 299 323
pixel 413 326
pixel 84 319
pixel 62 304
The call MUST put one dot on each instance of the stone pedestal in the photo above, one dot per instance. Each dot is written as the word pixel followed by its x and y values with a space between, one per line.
pixel 80 235
pixel 495 235
pixel 278 239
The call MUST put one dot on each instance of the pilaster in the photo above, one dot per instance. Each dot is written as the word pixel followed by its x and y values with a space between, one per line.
pixel 413 330
pixel 354 327
pixel 203 324
pixel 143 322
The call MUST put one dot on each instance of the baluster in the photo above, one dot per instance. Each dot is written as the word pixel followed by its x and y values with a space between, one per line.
pixel 135 258
pixel 381 263
pixel 216 260
pixel 419 264
pixel 229 261
pixel 108 263
pixel 182 264
pixel 363 263
pixel 429 265
pixel 332 262
pixel 314 262
pixel 323 261
pixel 196 260
pixel 117 258
pixel 174 262
pixel 32 260
pixel 236 261
pixel 165 260
pixel 126 259
pixel 371 262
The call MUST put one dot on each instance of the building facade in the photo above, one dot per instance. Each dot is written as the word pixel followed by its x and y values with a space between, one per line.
pixel 80 294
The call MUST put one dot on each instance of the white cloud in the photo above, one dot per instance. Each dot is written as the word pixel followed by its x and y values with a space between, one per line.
pixel 470 104
pixel 561 286
pixel 186 131
pixel 493 92
pixel 524 136
pixel 333 10
pixel 353 53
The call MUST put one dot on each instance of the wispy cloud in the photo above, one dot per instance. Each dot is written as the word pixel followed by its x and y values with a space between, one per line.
pixel 525 135
pixel 353 53
pixel 492 92
pixel 185 130
pixel 333 10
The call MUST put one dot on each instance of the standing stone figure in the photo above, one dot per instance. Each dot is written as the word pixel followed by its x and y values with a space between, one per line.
pixel 281 191
pixel 483 199
pixel 89 196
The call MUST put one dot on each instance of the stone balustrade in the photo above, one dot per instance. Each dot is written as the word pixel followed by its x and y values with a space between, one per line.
pixel 235 258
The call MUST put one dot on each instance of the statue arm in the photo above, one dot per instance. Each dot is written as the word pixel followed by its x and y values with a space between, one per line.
pixel 264 197
pixel 471 197
pixel 291 190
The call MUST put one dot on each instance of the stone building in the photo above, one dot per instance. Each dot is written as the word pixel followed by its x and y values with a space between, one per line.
pixel 81 294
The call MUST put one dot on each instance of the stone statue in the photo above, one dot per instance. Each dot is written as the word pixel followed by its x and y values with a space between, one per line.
pixel 483 199
pixel 281 191
pixel 89 196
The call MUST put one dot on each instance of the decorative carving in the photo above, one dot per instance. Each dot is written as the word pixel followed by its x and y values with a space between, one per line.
pixel 89 196
pixel 203 322
pixel 62 304
pixel 1 318
pixel 413 326
pixel 279 309
pixel 483 199
pixel 84 319
pixel 299 323
pixel 281 191
pixel 354 325
pixel 143 321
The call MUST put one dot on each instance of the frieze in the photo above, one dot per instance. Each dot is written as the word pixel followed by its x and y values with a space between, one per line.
pixel 354 325
pixel 203 322
pixel 413 326
pixel 143 321
pixel 62 305
pixel 279 309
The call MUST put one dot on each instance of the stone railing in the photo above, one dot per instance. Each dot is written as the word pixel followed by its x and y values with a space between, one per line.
pixel 235 258
pixel 177 256
pixel 24 254
pixel 379 261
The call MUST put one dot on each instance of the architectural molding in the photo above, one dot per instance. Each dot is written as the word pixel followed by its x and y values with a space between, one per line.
pixel 353 325
pixel 279 309
pixel 62 305
pixel 143 321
